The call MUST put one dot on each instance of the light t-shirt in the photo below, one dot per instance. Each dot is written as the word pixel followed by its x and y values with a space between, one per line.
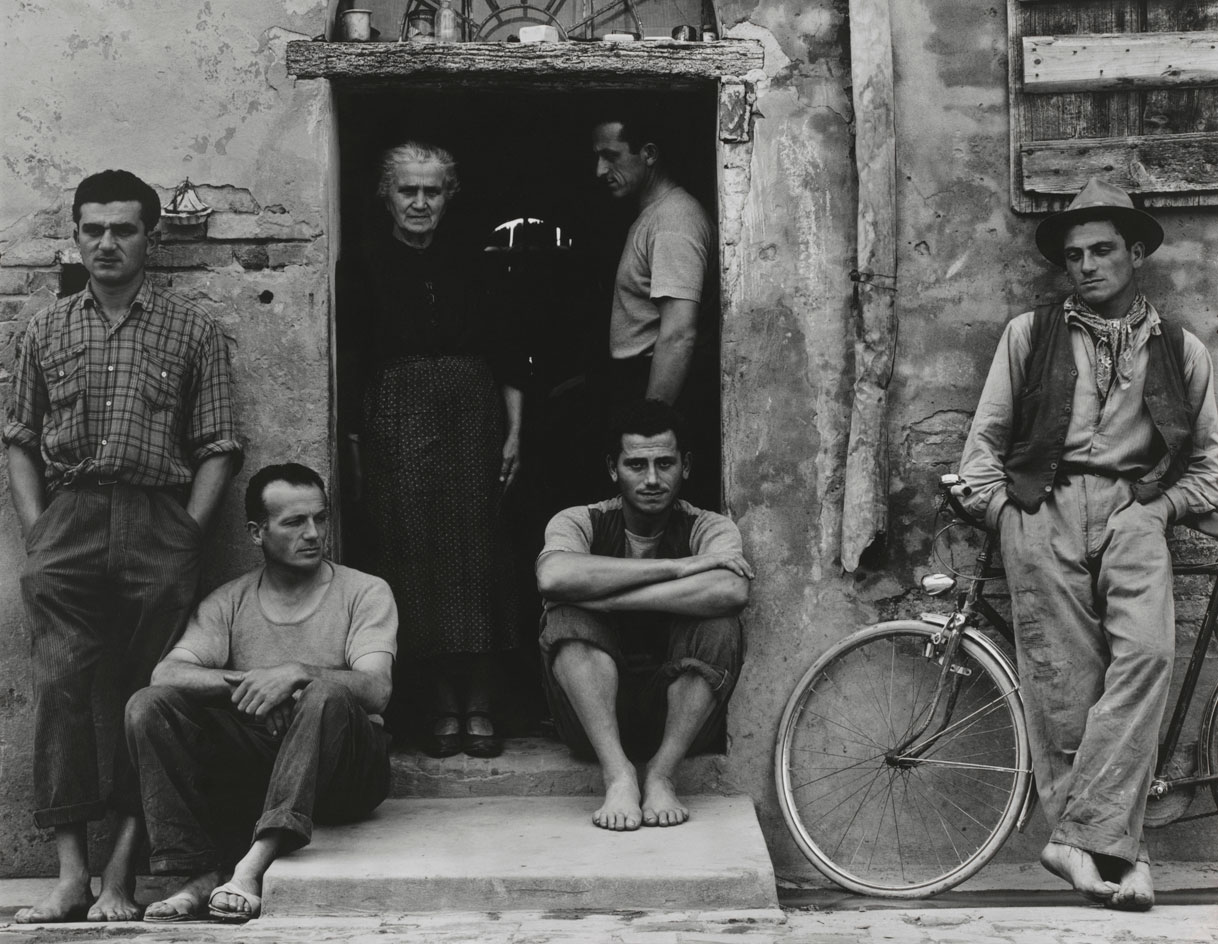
pixel 356 616
pixel 571 530
pixel 665 256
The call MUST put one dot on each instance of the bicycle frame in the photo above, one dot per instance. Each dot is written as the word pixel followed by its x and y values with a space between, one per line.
pixel 971 607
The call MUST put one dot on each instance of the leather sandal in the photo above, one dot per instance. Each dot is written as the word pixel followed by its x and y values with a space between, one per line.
pixel 442 745
pixel 480 745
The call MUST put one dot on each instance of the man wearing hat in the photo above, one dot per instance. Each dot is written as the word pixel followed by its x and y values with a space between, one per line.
pixel 1096 430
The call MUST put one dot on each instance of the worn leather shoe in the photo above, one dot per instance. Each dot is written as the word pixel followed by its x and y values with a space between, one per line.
pixel 480 745
pixel 442 745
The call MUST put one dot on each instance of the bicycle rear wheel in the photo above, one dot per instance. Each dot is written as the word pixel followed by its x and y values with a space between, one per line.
pixel 901 826
pixel 1207 746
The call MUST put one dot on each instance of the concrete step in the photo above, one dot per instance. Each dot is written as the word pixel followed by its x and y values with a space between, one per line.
pixel 524 854
pixel 528 767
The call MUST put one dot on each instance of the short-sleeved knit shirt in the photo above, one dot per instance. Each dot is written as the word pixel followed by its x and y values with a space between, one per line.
pixel 355 617
pixel 666 254
pixel 571 530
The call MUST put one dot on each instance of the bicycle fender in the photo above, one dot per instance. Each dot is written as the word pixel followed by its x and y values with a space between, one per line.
pixel 983 641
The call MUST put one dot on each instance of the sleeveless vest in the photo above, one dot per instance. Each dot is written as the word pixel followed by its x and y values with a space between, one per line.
pixel 1042 410
pixel 609 533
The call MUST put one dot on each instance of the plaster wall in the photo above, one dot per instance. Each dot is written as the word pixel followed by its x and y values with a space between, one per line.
pixel 966 266
pixel 194 91
pixel 201 91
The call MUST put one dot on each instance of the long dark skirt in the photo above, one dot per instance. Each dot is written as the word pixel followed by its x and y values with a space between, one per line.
pixel 432 446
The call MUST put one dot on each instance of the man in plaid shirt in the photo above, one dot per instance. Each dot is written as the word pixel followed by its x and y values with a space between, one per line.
pixel 120 444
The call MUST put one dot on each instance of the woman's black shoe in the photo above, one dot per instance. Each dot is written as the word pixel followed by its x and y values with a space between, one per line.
pixel 480 745
pixel 443 745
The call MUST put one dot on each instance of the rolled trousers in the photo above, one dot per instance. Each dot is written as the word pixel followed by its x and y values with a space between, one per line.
pixel 1091 595
pixel 650 651
pixel 110 570
pixel 332 766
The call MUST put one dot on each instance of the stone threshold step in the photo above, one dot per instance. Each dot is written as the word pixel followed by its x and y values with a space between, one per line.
pixel 494 854
pixel 528 767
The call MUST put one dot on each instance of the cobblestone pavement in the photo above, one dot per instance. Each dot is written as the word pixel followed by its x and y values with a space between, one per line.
pixel 1000 918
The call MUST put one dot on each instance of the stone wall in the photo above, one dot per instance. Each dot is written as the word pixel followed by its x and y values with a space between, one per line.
pixel 200 91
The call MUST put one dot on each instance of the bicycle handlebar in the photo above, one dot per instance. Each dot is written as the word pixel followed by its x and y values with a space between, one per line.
pixel 950 485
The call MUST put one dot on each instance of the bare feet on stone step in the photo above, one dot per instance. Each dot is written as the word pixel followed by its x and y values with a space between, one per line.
pixel 620 811
pixel 1136 891
pixel 1078 868
pixel 69 900
pixel 115 903
pixel 660 804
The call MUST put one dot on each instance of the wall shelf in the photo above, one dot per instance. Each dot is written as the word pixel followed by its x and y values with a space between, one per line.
pixel 566 64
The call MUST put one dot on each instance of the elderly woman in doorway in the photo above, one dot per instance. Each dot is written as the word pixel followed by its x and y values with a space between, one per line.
pixel 438 446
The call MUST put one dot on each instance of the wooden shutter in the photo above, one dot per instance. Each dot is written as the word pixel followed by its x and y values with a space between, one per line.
pixel 1126 90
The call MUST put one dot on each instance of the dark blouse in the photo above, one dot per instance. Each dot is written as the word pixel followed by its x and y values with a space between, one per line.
pixel 429 302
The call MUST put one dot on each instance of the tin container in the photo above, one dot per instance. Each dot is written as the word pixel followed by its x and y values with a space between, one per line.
pixel 685 34
pixel 709 35
pixel 421 27
pixel 356 25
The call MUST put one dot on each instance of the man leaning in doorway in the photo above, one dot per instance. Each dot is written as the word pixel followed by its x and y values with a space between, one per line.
pixel 1096 430
pixel 120 445
pixel 659 346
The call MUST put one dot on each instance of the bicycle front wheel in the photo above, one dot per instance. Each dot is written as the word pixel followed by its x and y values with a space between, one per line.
pixel 884 816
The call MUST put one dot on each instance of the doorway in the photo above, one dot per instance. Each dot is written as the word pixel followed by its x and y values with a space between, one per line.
pixel 553 238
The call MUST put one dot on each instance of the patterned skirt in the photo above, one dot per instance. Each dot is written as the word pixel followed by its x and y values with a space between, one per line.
pixel 432 447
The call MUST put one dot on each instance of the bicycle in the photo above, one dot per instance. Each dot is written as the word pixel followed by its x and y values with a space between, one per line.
pixel 902 761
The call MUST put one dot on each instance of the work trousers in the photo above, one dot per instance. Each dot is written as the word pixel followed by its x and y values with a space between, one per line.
pixel 110 570
pixel 650 651
pixel 1091 595
pixel 198 761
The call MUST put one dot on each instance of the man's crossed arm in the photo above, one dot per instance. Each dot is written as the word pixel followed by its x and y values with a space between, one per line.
pixel 267 694
pixel 701 585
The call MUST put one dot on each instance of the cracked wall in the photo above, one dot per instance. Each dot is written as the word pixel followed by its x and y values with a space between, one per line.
pixel 967 265
pixel 200 91
pixel 196 92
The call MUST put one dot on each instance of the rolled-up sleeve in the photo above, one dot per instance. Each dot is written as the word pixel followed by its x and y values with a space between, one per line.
pixel 210 430
pixel 1196 491
pixel 982 466
pixel 23 425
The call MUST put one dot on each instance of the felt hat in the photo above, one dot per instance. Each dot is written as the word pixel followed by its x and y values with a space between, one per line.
pixel 1099 200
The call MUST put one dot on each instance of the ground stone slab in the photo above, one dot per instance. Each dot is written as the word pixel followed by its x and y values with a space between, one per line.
pixel 524 853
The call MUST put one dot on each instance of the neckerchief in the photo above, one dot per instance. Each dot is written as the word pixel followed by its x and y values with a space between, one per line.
pixel 1114 348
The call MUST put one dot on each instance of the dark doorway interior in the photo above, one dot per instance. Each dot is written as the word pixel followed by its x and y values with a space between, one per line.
pixel 526 155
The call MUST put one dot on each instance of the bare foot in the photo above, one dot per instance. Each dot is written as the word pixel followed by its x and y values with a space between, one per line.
pixel 620 811
pixel 115 903
pixel 660 804
pixel 1137 891
pixel 1076 866
pixel 69 901
pixel 189 901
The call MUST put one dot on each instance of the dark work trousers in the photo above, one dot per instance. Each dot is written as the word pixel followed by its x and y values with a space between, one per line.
pixel 331 766
pixel 110 569
pixel 650 651
pixel 1091 594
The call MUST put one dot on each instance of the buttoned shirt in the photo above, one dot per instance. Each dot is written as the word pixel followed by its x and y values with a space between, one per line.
pixel 143 399
pixel 1114 435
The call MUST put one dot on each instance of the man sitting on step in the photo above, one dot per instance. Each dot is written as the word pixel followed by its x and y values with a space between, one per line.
pixel 641 594
pixel 271 694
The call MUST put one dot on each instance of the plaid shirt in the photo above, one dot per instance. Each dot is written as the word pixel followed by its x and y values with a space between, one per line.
pixel 143 400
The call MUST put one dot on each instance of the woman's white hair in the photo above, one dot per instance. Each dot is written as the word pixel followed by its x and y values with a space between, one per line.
pixel 417 152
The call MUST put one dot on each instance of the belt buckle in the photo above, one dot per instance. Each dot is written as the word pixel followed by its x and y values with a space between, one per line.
pixel 106 480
